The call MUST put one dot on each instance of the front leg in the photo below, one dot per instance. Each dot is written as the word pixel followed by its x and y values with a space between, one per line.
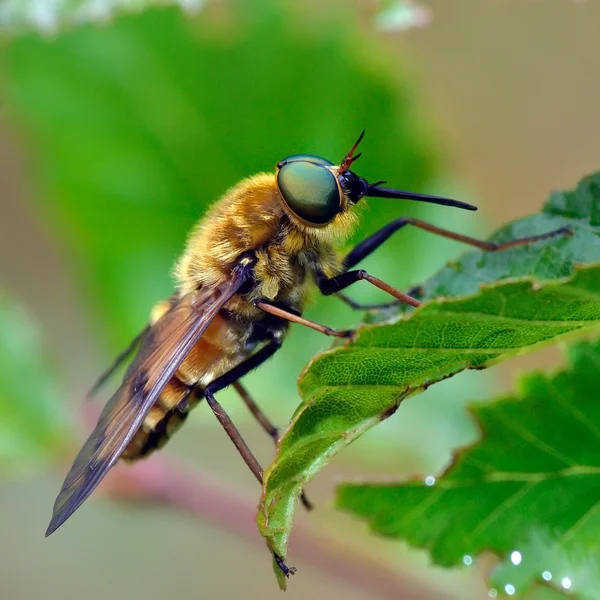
pixel 293 317
pixel 336 284
pixel 415 291
pixel 332 285
pixel 373 242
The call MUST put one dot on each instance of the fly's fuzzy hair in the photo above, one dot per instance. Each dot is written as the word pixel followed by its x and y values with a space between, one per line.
pixel 253 217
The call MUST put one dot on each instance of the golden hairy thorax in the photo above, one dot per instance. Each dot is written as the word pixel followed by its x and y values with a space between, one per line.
pixel 253 217
pixel 250 218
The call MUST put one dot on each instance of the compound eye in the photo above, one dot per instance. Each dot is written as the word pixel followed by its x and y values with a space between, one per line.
pixel 309 189
pixel 317 160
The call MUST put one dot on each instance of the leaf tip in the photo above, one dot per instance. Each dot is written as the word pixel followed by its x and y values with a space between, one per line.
pixel 282 571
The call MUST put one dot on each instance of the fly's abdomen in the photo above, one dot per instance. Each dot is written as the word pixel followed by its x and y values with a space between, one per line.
pixel 165 417
pixel 214 354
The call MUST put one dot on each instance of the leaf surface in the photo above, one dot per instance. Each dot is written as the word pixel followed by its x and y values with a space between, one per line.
pixel 508 311
pixel 147 122
pixel 529 490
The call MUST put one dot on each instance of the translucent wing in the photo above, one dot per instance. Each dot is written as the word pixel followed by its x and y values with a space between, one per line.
pixel 161 352
pixel 121 358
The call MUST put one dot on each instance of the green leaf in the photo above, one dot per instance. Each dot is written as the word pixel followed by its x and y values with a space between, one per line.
pixel 32 428
pixel 140 129
pixel 48 16
pixel 352 387
pixel 531 485
pixel 578 209
pixel 146 122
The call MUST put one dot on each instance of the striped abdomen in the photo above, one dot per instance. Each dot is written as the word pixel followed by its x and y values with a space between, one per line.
pixel 216 352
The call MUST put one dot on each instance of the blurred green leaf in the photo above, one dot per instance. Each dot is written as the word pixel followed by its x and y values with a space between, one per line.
pixel 32 428
pixel 48 16
pixel 349 389
pixel 135 128
pixel 531 485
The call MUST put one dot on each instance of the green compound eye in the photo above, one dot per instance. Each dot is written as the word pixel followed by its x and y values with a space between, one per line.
pixel 311 158
pixel 309 188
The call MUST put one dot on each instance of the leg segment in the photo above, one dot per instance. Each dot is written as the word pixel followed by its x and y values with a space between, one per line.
pixel 255 410
pixel 336 284
pixel 232 431
pixel 373 242
pixel 118 361
pixel 339 282
pixel 225 380
pixel 359 306
pixel 287 571
pixel 266 425
pixel 270 308
pixel 234 435
pixel 414 292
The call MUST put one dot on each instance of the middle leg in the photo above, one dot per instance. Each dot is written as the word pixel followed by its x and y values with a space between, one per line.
pixel 256 412
pixel 373 242
pixel 227 379
pixel 232 431
pixel 333 285
pixel 266 425
pixel 415 292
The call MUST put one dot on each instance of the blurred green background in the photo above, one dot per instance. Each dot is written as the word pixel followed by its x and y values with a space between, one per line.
pixel 115 137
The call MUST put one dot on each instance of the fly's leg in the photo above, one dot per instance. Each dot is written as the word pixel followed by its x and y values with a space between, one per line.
pixel 415 292
pixel 234 434
pixel 227 379
pixel 334 285
pixel 256 412
pixel 287 571
pixel 373 242
pixel 266 425
pixel 359 306
pixel 232 431
pixel 292 317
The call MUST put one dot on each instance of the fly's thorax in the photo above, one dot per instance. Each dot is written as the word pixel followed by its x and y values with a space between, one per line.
pixel 246 218
pixel 253 217
pixel 252 220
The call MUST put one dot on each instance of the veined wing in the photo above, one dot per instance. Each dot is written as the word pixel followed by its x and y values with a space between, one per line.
pixel 138 342
pixel 161 353
pixel 119 360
